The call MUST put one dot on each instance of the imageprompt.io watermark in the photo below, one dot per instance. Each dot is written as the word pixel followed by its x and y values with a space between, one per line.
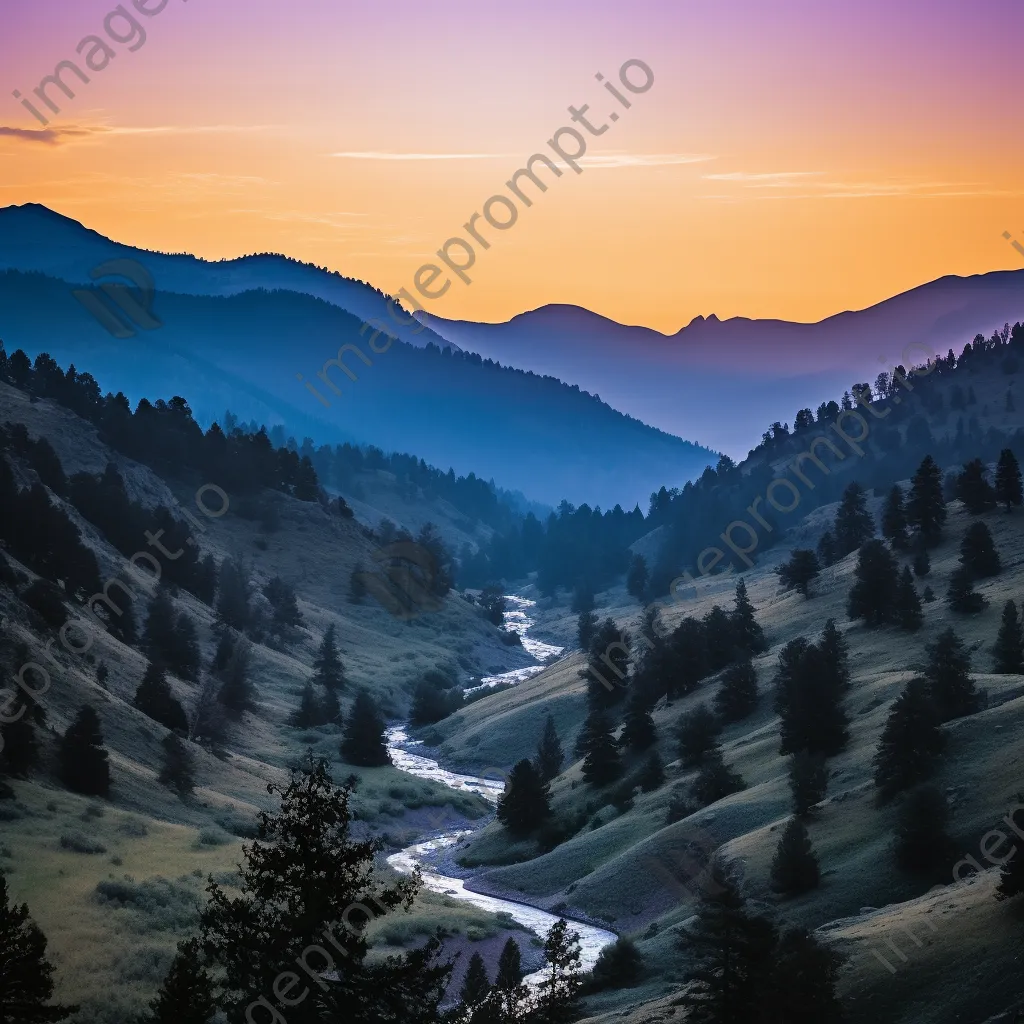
pixel 136 307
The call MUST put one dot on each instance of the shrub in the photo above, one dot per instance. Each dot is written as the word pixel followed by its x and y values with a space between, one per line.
pixel 212 837
pixel 79 842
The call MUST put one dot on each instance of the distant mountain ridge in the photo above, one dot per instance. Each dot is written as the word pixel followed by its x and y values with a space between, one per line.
pixel 764 369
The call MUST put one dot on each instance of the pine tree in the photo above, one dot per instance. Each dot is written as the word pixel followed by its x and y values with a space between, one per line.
pixel 1009 491
pixel 978 552
pixel 908 604
pixel 737 695
pixel 510 970
pixel 233 595
pixel 637 577
pixel 155 699
pixel 1011 878
pixel 873 595
pixel 558 992
pixel 602 764
pixel 549 752
pixel 1008 652
pixel 187 994
pixel 364 744
pixel 948 676
pixel 83 758
pixel 476 985
pixel 921 844
pixel 731 953
pixel 854 523
pixel 26 976
pixel 183 657
pixel 894 519
pixel 309 714
pixel 961 595
pixel 808 781
pixel 524 805
pixel 715 780
pixel 836 652
pixel 652 773
pixel 800 571
pixel 178 770
pixel 922 563
pixel 795 867
pixel 236 693
pixel 973 489
pixel 720 639
pixel 158 634
pixel 827 548
pixel 808 698
pixel 697 733
pixel 804 978
pixel 19 744
pixel 910 744
pixel 619 965
pixel 749 635
pixel 585 629
pixel 638 732
pixel 328 671
pixel 926 508
pixel 302 878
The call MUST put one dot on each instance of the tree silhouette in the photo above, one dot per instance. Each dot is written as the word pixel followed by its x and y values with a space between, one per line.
pixel 601 764
pixel 854 523
pixel 638 732
pixel 558 991
pixel 926 509
pixel 827 548
pixel 908 604
pixel 894 519
pixel 973 489
pixel 549 752
pixel 231 665
pixel 619 965
pixel 978 552
pixel 804 977
pixel 921 844
pixel 1008 651
pixel 310 713
pixel 715 780
pixel 800 571
pixel 948 676
pixel 652 773
pixel 749 635
pixel 637 578
pixel 873 595
pixel 178 769
pixel 910 744
pixel 363 743
pixel 586 626
pixel 961 595
pixel 697 733
pixel 736 698
pixel 187 994
pixel 83 758
pixel 1011 878
pixel 328 670
pixel 154 699
pixel 795 867
pixel 19 744
pixel 26 976
pixel 808 781
pixel 808 697
pixel 524 805
pixel 1009 491
pixel 475 985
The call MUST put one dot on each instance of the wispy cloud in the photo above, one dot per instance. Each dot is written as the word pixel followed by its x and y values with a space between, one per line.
pixel 61 134
pixel 617 159
pixel 792 185
pixel 374 155
pixel 45 136
pixel 769 179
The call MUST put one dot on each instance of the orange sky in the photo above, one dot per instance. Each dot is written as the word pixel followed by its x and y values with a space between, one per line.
pixel 787 162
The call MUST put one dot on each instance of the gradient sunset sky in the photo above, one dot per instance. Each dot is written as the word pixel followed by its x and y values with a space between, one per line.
pixel 793 158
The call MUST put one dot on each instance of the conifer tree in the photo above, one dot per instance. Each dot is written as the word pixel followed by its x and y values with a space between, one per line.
pixel 908 604
pixel 558 992
pixel 602 763
pixel 652 773
pixel 303 876
pixel 476 985
pixel 961 595
pixel 158 633
pixel 948 676
pixel 1008 651
pixel 1009 491
pixel 619 965
pixel 800 571
pixel 524 805
pixel 509 998
pixel 808 781
pixel 549 752
pixel 731 953
pixel 715 780
pixel 827 548
pixel 808 698
pixel 737 695
pixel 894 519
pixel 328 671
pixel 836 652
pixel 926 508
pixel 19 744
pixel 1011 878
pixel 309 713
pixel 910 744
pixel 854 523
pixel 363 743
pixel 873 595
pixel 638 731
pixel 510 970
pixel 155 699
pixel 83 758
pixel 973 489
pixel 804 978
pixel 585 629
pixel 922 563
pixel 748 633
pixel 921 843
pixel 637 577
pixel 236 692
pixel 26 976
pixel 697 733
pixel 187 994
pixel 178 769
pixel 795 867
pixel 607 664
pixel 978 552
pixel 183 657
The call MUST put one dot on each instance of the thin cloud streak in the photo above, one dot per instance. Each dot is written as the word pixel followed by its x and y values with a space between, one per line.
pixel 612 160
pixel 372 155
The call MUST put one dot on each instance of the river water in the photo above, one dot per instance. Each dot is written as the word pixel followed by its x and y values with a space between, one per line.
pixel 407 759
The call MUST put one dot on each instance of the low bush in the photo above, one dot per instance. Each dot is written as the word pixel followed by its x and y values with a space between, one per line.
pixel 79 842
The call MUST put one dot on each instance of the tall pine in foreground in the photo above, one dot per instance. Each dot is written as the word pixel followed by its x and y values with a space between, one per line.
pixel 187 994
pixel 475 985
pixel 524 805
pixel 363 743
pixel 558 992
pixel 328 671
pixel 1008 650
pixel 26 976
pixel 83 758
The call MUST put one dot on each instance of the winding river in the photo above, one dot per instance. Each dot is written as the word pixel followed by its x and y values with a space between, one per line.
pixel 407 759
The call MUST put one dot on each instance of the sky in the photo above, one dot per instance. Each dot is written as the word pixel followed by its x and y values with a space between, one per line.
pixel 790 159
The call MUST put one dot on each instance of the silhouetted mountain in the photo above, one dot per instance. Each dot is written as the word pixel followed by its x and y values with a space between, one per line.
pixel 764 369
